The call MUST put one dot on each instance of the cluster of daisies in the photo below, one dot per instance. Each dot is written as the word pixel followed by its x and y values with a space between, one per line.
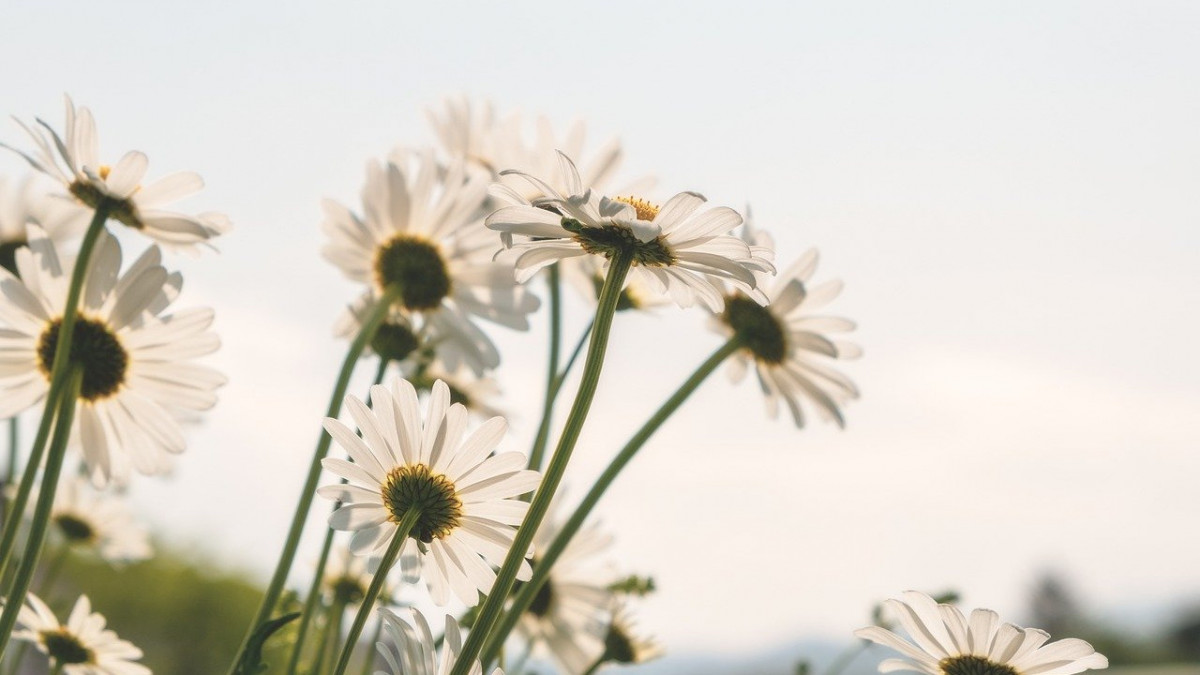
pixel 447 240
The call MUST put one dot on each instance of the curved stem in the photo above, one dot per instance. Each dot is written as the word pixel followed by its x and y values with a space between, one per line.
pixel 314 589
pixel 547 558
pixel 543 433
pixel 58 374
pixel 41 514
pixel 288 555
pixel 490 611
pixel 368 603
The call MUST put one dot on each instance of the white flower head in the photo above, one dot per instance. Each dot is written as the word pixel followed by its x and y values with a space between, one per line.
pixel 413 650
pixel 945 642
pixel 623 642
pixel 100 522
pixel 420 233
pixel 138 360
pixel 679 249
pixel 465 494
pixel 790 342
pixel 25 203
pixel 74 159
pixel 82 646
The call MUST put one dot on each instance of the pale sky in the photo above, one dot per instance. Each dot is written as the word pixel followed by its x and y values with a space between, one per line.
pixel 1009 194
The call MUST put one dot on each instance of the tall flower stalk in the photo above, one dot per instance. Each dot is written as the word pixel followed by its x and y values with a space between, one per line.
pixel 489 613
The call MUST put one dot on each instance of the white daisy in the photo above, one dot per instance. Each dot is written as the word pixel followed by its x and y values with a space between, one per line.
pixel 81 646
pixel 789 343
pixel 413 651
pixel 23 204
pixel 74 159
pixel 137 360
pixel 420 233
pixel 945 642
pixel 473 134
pixel 100 522
pixel 347 578
pixel 679 249
pixel 569 614
pixel 464 493
pixel 586 275
pixel 623 644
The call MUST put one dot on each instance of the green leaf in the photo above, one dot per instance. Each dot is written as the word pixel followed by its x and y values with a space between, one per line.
pixel 251 661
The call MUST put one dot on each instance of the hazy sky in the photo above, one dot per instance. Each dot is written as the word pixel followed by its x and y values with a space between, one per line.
pixel 1009 193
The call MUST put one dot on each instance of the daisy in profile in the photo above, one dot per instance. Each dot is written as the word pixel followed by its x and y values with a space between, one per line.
pixel 102 523
pixel 138 360
pixel 74 160
pixel 464 493
pixel 23 204
pixel 81 646
pixel 413 650
pixel 945 642
pixel 420 234
pixel 679 249
pixel 789 343
pixel 623 644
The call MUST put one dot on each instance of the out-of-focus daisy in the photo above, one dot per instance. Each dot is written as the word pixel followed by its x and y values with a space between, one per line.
pixel 103 523
pixel 420 233
pixel 74 159
pixel 472 132
pixel 586 274
pixel 81 646
pixel 623 644
pixel 945 642
pixel 568 615
pixel 678 248
pixel 464 493
pixel 23 204
pixel 789 342
pixel 413 651
pixel 138 361
pixel 477 394
pixel 347 578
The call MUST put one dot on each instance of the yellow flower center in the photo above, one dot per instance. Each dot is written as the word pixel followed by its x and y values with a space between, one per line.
pixel 103 171
pixel 645 210
pixel 416 486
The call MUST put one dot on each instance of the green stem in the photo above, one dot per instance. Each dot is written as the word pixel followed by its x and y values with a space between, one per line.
pixel 333 632
pixel 41 514
pixel 288 555
pixel 370 658
pixel 547 558
pixel 58 668
pixel 314 589
pixel 605 309
pixel 562 377
pixel 543 433
pixel 407 523
pixel 46 583
pixel 58 374
pixel 10 471
pixel 595 666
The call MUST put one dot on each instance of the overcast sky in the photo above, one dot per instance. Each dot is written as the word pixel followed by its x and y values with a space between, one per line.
pixel 1009 193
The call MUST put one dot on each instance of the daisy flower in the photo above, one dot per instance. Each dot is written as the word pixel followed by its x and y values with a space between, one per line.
pixel 420 234
pixel 945 642
pixel 347 578
pixel 789 343
pixel 137 359
pixel 464 493
pixel 474 134
pixel 103 523
pixel 678 248
pixel 586 274
pixel 23 204
pixel 623 644
pixel 81 646
pixel 74 160
pixel 413 651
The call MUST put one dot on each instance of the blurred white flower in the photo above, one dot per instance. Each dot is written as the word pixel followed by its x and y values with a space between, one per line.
pixel 413 650
pixel 100 522
pixel 25 203
pixel 81 646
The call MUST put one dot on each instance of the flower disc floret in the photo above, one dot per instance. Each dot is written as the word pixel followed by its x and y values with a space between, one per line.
pixel 973 665
pixel 757 328
pixel 65 648
pixel 417 268
pixel 608 240
pixel 94 348
pixel 394 341
pixel 75 529
pixel 416 486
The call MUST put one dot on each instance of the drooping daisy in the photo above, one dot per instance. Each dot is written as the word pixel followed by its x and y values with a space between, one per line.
pixel 138 361
pixel 945 642
pixel 623 644
pixel 789 343
pixel 569 614
pixel 420 233
pixel 81 646
pixel 464 493
pixel 23 204
pixel 413 651
pixel 102 523
pixel 74 159
pixel 678 248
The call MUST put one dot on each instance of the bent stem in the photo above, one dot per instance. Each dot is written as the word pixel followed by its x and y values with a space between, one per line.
pixel 58 374
pixel 407 523
pixel 494 604
pixel 288 555
pixel 547 558
pixel 543 433
pixel 41 514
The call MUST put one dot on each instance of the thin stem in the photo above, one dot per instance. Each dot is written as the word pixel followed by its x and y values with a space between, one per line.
pixel 605 309
pixel 46 583
pixel 330 638
pixel 583 338
pixel 595 666
pixel 314 589
pixel 41 514
pixel 407 523
pixel 370 658
pixel 547 558
pixel 10 471
pixel 58 374
pixel 58 668
pixel 288 555
pixel 543 433
pixel 839 664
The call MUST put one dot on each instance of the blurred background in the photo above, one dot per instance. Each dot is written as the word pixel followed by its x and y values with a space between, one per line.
pixel 1008 191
